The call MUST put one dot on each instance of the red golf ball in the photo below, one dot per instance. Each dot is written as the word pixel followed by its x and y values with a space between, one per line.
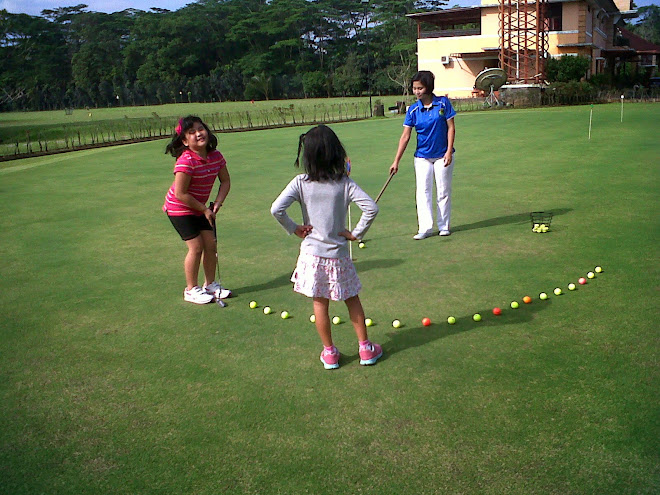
pixel 426 321
pixel 582 281
pixel 497 311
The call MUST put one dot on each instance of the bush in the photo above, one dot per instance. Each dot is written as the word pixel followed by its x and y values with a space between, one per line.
pixel 567 68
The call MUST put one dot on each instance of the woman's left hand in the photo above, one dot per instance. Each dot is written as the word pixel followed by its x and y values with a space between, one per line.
pixel 347 234
pixel 448 158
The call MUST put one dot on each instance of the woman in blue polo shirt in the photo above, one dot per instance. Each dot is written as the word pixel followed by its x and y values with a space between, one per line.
pixel 433 120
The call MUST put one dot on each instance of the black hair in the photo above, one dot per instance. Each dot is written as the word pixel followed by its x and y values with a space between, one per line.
pixel 176 146
pixel 426 78
pixel 323 156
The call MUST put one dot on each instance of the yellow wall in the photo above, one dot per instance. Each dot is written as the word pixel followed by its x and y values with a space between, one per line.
pixel 456 78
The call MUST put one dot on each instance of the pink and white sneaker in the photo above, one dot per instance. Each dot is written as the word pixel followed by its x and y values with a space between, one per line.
pixel 330 359
pixel 217 290
pixel 370 353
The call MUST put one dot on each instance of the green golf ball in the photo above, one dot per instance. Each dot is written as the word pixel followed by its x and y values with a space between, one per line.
pixel 477 317
pixel 515 305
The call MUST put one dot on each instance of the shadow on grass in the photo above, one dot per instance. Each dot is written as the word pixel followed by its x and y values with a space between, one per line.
pixel 409 338
pixel 507 219
pixel 518 218
pixel 285 279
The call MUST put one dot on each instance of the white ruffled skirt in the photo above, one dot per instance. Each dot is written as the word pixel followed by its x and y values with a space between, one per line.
pixel 330 278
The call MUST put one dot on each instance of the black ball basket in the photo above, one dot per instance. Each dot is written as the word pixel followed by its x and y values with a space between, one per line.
pixel 541 221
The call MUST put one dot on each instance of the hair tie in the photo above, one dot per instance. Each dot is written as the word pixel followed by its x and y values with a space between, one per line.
pixel 179 127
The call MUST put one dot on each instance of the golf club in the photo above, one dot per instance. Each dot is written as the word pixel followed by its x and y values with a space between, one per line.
pixel 219 301
pixel 385 186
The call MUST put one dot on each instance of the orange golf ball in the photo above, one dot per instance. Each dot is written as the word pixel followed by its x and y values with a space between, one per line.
pixel 527 299
pixel 426 322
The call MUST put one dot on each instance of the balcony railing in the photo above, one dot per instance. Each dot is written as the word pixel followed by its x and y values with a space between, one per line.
pixel 448 33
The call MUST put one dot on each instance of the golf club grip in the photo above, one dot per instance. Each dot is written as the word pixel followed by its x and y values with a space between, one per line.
pixel 384 187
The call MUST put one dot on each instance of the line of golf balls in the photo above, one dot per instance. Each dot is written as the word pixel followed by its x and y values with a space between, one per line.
pixel 336 320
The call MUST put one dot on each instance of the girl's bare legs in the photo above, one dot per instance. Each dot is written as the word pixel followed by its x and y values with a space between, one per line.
pixel 323 320
pixel 192 260
pixel 356 313
pixel 209 261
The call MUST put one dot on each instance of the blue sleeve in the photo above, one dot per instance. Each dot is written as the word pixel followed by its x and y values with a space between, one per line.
pixel 449 110
pixel 408 122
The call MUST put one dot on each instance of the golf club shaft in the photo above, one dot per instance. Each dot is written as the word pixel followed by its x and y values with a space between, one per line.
pixel 385 186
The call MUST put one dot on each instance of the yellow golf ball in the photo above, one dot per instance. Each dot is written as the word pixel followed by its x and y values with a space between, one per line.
pixel 477 317
pixel 557 291
pixel 312 319
pixel 284 315
pixel 253 304
pixel 543 296
pixel 571 286
pixel 515 305
pixel 598 269
pixel 368 322
pixel 336 320
pixel 591 275
pixel 451 320
pixel 396 323
pixel 267 310
pixel 361 245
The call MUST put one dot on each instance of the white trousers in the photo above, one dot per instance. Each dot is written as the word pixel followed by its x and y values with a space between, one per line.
pixel 426 170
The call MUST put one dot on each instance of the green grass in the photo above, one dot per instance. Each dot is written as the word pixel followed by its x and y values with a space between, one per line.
pixel 112 384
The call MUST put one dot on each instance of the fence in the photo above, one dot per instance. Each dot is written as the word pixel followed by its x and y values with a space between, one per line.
pixel 87 135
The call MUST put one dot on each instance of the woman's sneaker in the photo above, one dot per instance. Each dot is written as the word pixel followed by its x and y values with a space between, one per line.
pixel 197 295
pixel 370 353
pixel 330 359
pixel 217 290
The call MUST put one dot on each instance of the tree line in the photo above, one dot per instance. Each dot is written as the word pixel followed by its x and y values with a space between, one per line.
pixel 210 50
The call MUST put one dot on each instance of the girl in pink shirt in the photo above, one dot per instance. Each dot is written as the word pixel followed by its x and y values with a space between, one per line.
pixel 197 166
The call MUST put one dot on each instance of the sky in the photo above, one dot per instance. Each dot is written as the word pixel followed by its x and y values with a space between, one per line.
pixel 34 7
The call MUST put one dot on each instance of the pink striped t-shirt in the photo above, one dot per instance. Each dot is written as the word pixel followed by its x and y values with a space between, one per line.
pixel 203 173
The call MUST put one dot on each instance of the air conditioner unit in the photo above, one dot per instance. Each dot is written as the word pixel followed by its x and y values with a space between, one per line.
pixel 445 59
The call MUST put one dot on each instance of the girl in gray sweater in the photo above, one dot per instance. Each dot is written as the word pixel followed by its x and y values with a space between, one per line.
pixel 324 270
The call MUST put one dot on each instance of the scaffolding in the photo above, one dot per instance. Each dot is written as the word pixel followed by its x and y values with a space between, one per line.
pixel 523 40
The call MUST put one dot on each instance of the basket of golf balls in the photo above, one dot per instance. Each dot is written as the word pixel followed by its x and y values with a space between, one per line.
pixel 541 221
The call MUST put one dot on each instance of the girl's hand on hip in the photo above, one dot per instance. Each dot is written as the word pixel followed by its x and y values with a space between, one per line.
pixel 347 234
pixel 303 231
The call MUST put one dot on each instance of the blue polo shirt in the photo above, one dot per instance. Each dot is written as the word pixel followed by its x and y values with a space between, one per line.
pixel 431 126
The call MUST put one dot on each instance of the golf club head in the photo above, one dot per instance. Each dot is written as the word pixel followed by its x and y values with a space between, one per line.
pixel 219 301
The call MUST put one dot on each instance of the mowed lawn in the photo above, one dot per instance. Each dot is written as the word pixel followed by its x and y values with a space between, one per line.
pixel 110 383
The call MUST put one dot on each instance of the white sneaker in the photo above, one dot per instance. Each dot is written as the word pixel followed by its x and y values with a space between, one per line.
pixel 422 235
pixel 216 290
pixel 444 233
pixel 197 295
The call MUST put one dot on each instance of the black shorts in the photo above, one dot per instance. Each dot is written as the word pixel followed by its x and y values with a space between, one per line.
pixel 190 226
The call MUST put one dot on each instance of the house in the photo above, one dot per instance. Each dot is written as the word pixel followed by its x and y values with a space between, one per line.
pixel 456 44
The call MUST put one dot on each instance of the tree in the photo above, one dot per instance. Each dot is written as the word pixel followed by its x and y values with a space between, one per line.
pixel 648 24
pixel 567 68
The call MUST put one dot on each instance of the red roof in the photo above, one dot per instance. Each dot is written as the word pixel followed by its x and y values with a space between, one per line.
pixel 639 44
